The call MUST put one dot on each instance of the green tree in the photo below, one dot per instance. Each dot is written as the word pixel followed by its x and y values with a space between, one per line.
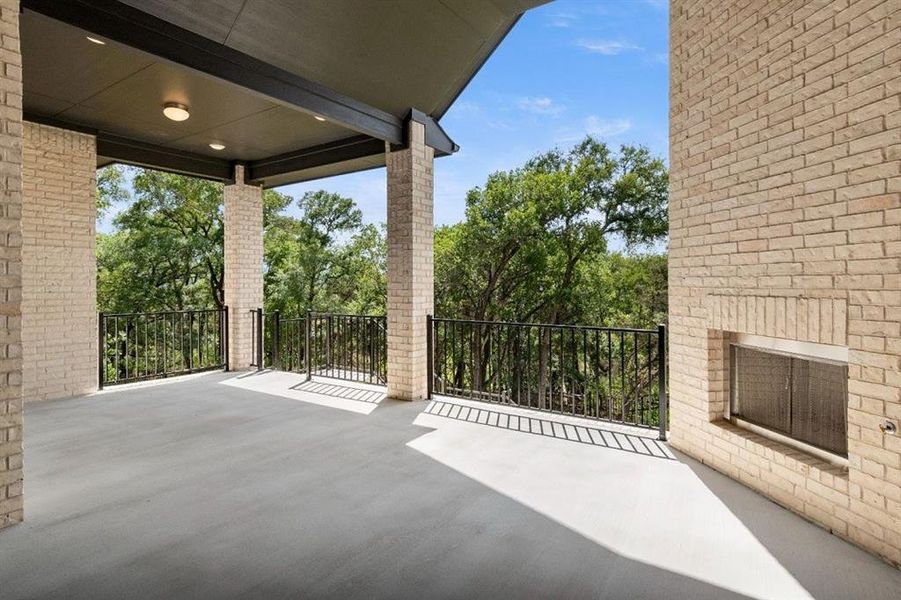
pixel 111 188
pixel 520 253
pixel 166 249
pixel 324 260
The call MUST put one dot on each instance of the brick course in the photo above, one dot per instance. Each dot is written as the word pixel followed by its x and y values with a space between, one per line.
pixel 11 505
pixel 59 264
pixel 411 287
pixel 785 221
pixel 243 248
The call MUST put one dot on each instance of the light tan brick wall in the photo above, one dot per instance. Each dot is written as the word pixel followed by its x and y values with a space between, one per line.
pixel 785 220
pixel 411 289
pixel 11 506
pixel 59 265
pixel 243 266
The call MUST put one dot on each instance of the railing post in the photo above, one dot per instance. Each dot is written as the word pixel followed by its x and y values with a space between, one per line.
pixel 101 350
pixel 224 340
pixel 306 344
pixel 328 344
pixel 190 342
pixel 259 332
pixel 275 339
pixel 430 357
pixel 661 380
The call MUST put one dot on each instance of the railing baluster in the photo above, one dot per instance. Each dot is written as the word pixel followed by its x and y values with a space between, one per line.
pixel 493 362
pixel 140 349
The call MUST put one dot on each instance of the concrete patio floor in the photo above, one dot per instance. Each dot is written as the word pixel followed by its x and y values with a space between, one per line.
pixel 263 486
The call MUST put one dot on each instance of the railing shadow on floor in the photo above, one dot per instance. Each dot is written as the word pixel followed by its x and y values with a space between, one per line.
pixel 252 373
pixel 584 434
pixel 340 391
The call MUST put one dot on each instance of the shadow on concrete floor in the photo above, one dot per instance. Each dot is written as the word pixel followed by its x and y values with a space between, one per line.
pixel 204 490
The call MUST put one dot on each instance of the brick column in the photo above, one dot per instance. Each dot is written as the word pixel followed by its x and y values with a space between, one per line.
pixel 59 265
pixel 243 265
pixel 10 267
pixel 410 264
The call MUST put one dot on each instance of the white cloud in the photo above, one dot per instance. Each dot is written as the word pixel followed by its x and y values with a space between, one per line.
pixel 466 107
pixel 607 47
pixel 561 20
pixel 600 127
pixel 594 126
pixel 539 106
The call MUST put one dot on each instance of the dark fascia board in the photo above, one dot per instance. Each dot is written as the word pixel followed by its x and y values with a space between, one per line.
pixel 315 156
pixel 141 154
pixel 345 149
pixel 435 136
pixel 135 28
pixel 117 149
pixel 58 123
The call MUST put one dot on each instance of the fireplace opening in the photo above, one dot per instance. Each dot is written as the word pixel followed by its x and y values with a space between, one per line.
pixel 802 398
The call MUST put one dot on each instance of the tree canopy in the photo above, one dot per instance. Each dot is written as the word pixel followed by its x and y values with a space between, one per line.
pixel 534 245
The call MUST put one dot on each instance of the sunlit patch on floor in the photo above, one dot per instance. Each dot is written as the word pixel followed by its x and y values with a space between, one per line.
pixel 636 504
pixel 354 397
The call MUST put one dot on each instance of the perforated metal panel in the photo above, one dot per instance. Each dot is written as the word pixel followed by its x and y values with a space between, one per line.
pixel 761 390
pixel 803 398
pixel 820 404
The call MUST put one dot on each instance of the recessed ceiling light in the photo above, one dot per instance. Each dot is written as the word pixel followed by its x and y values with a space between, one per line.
pixel 217 146
pixel 175 111
pixel 318 118
pixel 96 40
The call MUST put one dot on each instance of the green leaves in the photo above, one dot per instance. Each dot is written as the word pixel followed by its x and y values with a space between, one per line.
pixel 325 260
pixel 533 245
pixel 166 252
pixel 521 253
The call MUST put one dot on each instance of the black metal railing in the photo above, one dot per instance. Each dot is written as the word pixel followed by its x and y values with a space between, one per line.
pixel 284 342
pixel 340 346
pixel 350 347
pixel 141 346
pixel 614 374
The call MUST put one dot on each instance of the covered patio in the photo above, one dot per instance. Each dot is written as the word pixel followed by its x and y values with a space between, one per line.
pixel 268 486
pixel 785 224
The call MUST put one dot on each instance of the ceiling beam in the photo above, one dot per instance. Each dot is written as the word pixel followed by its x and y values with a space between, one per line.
pixel 141 154
pixel 351 148
pixel 117 149
pixel 122 23
pixel 360 146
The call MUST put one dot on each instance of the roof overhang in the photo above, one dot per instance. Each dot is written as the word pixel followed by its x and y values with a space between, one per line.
pixel 283 125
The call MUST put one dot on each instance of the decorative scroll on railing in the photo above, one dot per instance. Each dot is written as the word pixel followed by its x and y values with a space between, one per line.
pixel 604 373
pixel 350 347
pixel 140 346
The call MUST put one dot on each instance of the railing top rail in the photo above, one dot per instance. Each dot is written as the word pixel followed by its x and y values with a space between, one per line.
pixel 548 325
pixel 162 312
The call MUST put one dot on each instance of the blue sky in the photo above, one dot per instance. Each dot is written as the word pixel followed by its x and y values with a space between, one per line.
pixel 568 68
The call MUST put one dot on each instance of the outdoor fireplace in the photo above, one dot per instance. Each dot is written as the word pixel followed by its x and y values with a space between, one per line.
pixel 796 392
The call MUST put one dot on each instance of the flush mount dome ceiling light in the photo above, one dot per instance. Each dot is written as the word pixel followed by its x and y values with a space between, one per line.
pixel 96 40
pixel 217 146
pixel 318 118
pixel 176 111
